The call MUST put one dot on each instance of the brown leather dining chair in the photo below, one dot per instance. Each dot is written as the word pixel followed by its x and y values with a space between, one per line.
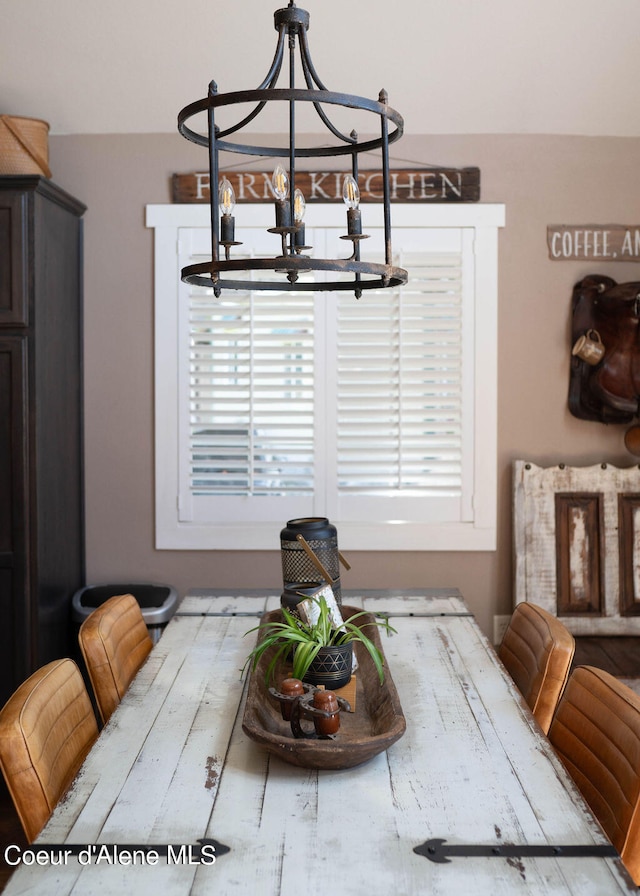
pixel 537 650
pixel 115 642
pixel 596 734
pixel 47 727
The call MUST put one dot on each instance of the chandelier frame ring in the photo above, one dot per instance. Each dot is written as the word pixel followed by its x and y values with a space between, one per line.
pixel 382 275
pixel 318 97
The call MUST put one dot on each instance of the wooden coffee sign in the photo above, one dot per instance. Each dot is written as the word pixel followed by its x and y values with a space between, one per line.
pixel 421 185
pixel 611 242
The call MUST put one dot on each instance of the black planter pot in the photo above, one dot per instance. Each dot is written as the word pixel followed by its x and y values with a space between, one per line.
pixel 331 667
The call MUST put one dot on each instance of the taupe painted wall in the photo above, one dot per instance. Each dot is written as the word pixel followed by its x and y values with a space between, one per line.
pixel 541 180
pixel 496 67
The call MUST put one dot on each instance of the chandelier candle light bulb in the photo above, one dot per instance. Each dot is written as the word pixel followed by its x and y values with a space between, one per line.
pixel 351 196
pixel 227 197
pixel 280 187
pixel 227 201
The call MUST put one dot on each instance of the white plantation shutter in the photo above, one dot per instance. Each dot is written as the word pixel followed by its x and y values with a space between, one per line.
pixel 251 395
pixel 400 403
pixel 400 383
pixel 318 404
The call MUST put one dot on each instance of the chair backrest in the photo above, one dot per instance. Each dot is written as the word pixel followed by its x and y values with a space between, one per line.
pixel 596 733
pixel 46 730
pixel 115 642
pixel 537 651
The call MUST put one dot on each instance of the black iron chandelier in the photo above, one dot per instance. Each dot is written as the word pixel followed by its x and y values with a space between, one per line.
pixel 292 24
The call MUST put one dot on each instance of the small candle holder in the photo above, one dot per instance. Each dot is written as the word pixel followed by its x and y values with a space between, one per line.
pixel 284 232
pixel 355 239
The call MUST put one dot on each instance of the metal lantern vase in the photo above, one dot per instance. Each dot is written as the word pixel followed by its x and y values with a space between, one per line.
pixel 299 571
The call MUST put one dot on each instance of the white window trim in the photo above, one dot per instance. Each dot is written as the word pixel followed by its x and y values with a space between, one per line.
pixel 476 535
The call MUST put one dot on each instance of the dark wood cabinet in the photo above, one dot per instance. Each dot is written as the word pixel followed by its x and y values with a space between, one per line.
pixel 41 432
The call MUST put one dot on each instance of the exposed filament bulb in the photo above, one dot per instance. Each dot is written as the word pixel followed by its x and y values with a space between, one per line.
pixel 351 196
pixel 299 206
pixel 350 192
pixel 280 183
pixel 226 197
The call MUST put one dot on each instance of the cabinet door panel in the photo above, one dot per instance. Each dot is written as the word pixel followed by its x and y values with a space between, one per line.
pixel 13 276
pixel 15 657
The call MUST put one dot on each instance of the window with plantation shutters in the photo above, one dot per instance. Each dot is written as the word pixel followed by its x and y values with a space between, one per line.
pixel 378 413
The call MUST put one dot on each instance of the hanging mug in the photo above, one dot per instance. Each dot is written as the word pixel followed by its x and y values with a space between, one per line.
pixel 632 440
pixel 589 347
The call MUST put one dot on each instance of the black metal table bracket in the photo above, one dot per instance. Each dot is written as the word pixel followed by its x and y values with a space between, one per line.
pixel 438 850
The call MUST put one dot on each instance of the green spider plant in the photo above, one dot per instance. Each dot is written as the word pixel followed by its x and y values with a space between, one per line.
pixel 307 638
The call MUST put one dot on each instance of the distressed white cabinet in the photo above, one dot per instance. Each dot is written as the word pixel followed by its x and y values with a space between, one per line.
pixel 577 544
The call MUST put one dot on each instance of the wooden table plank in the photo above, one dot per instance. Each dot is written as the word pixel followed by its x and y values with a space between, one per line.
pixel 215 602
pixel 173 765
pixel 254 602
pixel 423 602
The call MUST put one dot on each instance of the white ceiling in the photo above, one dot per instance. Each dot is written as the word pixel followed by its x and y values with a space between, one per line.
pixel 449 66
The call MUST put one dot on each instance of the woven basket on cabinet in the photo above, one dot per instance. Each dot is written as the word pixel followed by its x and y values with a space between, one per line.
pixel 24 147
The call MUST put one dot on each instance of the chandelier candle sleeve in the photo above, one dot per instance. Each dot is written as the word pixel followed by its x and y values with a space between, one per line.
pixel 299 208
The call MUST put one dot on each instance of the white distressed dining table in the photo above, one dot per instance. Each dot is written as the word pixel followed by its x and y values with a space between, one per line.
pixel 173 766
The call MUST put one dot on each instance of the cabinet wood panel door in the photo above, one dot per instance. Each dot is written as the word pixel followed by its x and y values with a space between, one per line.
pixel 41 445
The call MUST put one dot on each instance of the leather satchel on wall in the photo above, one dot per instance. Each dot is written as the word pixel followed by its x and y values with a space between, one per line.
pixel 604 383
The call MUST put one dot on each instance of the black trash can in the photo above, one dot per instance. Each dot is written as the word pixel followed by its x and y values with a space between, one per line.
pixel 157 602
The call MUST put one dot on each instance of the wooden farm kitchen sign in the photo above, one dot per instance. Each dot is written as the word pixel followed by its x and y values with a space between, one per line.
pixel 597 242
pixel 421 185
